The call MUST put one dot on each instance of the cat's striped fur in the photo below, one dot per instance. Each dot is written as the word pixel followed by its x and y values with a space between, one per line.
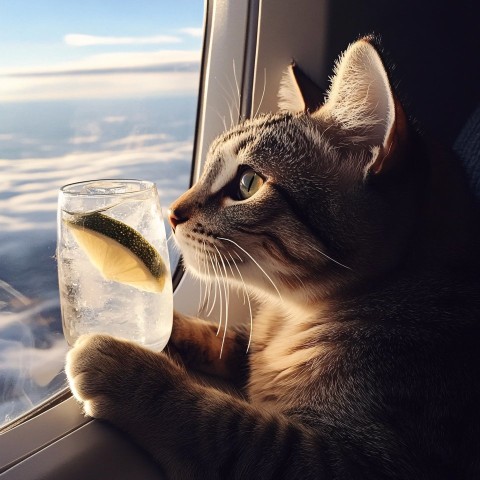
pixel 361 249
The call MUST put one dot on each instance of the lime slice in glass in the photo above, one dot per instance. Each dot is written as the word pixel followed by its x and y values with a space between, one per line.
pixel 118 251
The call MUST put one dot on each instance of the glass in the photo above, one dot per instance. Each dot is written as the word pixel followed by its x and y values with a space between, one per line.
pixel 113 265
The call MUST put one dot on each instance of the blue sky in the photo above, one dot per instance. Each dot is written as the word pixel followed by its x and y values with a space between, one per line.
pixel 57 37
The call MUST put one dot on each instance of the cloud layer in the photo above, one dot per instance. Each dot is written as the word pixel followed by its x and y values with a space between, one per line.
pixel 33 182
pixel 112 74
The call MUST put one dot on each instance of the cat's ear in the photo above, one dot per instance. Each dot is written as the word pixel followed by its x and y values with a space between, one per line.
pixel 298 92
pixel 361 101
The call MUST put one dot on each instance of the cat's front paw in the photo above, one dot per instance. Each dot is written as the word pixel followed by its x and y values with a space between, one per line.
pixel 107 375
pixel 95 372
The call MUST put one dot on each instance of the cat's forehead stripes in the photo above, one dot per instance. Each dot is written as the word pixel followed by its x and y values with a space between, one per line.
pixel 229 150
pixel 227 160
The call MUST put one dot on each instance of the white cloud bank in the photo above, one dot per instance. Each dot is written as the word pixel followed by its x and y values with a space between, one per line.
pixel 34 182
pixel 108 75
pixel 99 87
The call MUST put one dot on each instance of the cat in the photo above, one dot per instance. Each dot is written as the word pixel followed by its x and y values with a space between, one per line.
pixel 359 241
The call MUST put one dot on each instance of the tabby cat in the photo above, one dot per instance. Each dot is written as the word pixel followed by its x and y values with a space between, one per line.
pixel 359 241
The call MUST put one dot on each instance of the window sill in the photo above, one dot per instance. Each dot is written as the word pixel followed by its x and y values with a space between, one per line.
pixel 62 444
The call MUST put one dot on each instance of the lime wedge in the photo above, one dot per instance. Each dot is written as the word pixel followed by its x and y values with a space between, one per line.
pixel 118 251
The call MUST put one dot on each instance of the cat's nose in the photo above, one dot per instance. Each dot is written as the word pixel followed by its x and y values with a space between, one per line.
pixel 182 208
pixel 176 216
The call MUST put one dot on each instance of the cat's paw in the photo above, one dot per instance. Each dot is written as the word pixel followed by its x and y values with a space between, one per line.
pixel 107 375
pixel 95 372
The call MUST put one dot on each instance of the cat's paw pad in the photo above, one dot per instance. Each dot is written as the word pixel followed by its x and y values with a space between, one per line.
pixel 98 369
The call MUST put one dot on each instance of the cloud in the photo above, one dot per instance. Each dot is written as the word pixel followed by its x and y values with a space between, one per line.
pixel 112 75
pixel 83 139
pixel 34 182
pixel 138 140
pixel 115 119
pixel 193 32
pixel 104 63
pixel 6 136
pixel 135 85
pixel 80 40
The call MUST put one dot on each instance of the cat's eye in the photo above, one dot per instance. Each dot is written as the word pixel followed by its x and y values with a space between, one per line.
pixel 250 183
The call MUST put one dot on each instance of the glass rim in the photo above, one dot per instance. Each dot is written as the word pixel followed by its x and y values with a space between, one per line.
pixel 147 184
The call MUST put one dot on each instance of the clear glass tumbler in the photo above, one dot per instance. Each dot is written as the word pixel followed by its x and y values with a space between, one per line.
pixel 113 266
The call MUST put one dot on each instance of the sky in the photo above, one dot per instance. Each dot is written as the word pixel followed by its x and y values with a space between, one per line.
pixel 119 48
pixel 63 50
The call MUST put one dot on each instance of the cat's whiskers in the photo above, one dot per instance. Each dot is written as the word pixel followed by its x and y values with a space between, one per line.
pixel 221 292
pixel 231 115
pixel 231 98
pixel 215 286
pixel 221 117
pixel 256 263
pixel 229 265
pixel 232 272
pixel 227 295
pixel 330 258
pixel 263 92
pixel 237 98
pixel 200 279
pixel 211 286
pixel 228 102
pixel 242 288
pixel 214 263
pixel 226 291
pixel 201 271
pixel 245 293
pixel 238 256
pixel 207 281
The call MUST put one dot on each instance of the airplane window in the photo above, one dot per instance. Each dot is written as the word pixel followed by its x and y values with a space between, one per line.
pixel 87 90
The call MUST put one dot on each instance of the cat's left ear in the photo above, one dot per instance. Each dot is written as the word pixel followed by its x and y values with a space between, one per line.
pixel 298 92
pixel 362 103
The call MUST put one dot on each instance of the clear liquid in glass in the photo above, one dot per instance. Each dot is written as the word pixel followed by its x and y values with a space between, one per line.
pixel 91 303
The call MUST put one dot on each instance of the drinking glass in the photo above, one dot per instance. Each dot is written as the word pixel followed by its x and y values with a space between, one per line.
pixel 113 265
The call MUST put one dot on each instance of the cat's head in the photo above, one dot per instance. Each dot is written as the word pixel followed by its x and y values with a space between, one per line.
pixel 304 201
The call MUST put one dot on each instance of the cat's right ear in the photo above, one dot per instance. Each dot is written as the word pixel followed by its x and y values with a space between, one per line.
pixel 360 99
pixel 298 92
pixel 361 102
